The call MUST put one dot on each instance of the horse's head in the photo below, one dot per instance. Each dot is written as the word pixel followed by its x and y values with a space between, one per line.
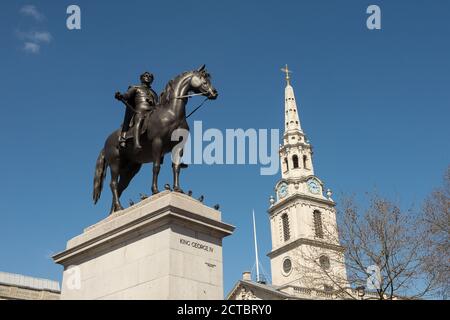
pixel 201 83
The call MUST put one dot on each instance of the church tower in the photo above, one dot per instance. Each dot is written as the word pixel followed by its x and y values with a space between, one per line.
pixel 305 246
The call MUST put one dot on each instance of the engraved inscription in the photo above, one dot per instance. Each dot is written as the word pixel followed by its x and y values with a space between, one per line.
pixel 197 245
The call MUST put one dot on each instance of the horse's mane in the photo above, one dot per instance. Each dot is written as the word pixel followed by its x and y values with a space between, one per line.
pixel 165 95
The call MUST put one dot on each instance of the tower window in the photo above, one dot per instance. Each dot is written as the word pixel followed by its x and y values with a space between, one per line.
pixel 318 229
pixel 324 262
pixel 285 223
pixel 295 161
pixel 305 161
pixel 287 265
pixel 286 163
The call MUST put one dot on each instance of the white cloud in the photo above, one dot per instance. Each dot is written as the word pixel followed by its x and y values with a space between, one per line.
pixel 31 11
pixel 31 47
pixel 35 36
pixel 39 36
pixel 32 40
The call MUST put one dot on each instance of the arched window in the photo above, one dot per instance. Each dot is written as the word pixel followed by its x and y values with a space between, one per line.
pixel 286 163
pixel 295 161
pixel 305 161
pixel 285 222
pixel 318 229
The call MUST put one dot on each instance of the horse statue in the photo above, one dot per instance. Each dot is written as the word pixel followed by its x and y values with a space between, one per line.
pixel 156 138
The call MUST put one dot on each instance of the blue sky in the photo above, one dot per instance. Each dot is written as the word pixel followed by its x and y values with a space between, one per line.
pixel 374 104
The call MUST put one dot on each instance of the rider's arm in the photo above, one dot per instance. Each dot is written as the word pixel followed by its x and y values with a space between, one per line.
pixel 130 93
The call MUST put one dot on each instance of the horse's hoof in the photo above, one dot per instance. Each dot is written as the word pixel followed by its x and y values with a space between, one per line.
pixel 155 191
pixel 115 209
pixel 178 190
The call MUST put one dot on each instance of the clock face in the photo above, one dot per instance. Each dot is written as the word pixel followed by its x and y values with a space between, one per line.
pixel 282 190
pixel 313 186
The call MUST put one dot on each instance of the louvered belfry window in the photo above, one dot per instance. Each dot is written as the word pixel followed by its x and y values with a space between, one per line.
pixel 318 229
pixel 295 161
pixel 285 223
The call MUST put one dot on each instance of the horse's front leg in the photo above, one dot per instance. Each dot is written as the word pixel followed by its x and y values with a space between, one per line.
pixel 176 177
pixel 177 165
pixel 156 154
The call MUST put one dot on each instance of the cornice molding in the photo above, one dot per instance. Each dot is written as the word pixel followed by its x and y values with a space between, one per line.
pixel 290 200
pixel 304 241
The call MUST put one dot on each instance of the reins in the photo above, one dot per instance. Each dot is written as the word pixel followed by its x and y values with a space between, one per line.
pixel 193 95
pixel 201 104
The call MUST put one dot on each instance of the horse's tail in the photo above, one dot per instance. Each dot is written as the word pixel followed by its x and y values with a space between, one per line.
pixel 100 173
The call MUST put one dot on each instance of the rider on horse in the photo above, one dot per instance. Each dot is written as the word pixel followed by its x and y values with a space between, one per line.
pixel 140 100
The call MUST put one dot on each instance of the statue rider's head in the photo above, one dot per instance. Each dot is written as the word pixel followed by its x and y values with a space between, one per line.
pixel 146 78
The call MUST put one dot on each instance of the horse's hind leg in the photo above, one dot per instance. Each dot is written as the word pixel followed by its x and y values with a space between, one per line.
pixel 126 174
pixel 156 168
pixel 115 171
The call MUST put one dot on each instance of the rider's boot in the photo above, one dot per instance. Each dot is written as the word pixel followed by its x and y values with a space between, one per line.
pixel 137 129
pixel 122 139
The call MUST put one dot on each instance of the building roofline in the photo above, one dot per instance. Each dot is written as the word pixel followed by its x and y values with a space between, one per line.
pixel 265 287
pixel 21 281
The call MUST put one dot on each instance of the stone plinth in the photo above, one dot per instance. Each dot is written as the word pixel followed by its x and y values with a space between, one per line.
pixel 168 246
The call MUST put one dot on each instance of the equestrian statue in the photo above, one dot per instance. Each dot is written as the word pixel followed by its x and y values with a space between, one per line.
pixel 151 124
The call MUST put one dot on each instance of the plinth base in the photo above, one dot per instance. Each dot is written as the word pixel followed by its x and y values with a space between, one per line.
pixel 168 246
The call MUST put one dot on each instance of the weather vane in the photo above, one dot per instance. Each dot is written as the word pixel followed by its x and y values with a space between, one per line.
pixel 287 71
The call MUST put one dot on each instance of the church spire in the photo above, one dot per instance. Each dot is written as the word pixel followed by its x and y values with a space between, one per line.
pixel 292 121
pixel 295 151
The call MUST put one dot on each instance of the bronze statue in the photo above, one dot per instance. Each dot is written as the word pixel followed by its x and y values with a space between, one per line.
pixel 140 101
pixel 155 137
